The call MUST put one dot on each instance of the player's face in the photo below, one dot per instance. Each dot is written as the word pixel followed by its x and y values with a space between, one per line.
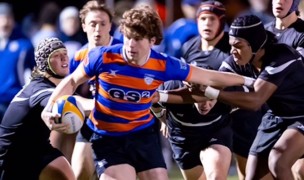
pixel 280 8
pixel 240 50
pixel 6 26
pixel 97 25
pixel 208 26
pixel 204 107
pixel 137 49
pixel 59 62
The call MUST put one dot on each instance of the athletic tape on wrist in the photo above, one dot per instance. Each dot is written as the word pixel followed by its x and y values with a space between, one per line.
pixel 211 92
pixel 163 96
pixel 248 81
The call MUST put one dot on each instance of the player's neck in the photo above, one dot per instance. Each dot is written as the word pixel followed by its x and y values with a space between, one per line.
pixel 257 60
pixel 209 45
pixel 104 42
pixel 138 62
pixel 54 80
pixel 283 23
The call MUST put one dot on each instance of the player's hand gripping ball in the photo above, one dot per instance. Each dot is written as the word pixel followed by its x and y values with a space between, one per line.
pixel 71 111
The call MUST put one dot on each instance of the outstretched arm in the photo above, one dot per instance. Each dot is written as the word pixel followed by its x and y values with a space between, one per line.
pixel 218 79
pixel 179 96
pixel 251 100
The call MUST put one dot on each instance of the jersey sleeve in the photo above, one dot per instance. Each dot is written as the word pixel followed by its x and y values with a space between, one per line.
pixel 177 69
pixel 73 64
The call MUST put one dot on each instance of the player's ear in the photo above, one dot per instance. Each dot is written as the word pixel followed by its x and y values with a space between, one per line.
pixel 152 41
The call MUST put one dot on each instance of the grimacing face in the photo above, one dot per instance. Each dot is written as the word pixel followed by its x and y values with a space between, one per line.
pixel 240 50
pixel 205 107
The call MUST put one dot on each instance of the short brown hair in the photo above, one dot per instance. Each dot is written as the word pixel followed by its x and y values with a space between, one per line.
pixel 94 6
pixel 142 22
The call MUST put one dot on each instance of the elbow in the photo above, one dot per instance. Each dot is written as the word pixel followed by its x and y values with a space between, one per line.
pixel 254 106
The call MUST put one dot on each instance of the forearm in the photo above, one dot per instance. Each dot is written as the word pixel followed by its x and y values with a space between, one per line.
pixel 219 79
pixel 182 96
pixel 87 104
pixel 240 99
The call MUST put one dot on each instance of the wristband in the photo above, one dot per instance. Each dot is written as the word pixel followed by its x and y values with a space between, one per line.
pixel 163 96
pixel 211 92
pixel 248 81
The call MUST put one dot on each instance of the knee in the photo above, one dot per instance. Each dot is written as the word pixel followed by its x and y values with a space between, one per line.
pixel 277 163
pixel 298 170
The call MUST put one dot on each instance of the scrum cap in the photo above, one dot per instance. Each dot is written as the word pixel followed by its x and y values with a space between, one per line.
pixel 250 28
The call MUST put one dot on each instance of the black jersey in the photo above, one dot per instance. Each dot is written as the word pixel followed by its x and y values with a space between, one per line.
pixel 22 130
pixel 193 54
pixel 186 115
pixel 292 36
pixel 284 67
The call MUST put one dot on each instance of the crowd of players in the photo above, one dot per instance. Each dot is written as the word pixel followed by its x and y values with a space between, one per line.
pixel 237 91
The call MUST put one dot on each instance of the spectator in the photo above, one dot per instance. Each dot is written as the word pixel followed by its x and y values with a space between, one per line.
pixel 16 57
pixel 47 22
pixel 70 32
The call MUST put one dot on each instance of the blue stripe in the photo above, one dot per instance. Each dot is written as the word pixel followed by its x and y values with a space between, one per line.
pixel 106 86
pixel 103 132
pixel 122 106
pixel 111 118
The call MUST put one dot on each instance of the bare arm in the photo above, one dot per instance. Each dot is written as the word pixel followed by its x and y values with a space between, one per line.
pixel 66 87
pixel 218 79
pixel 180 96
pixel 252 100
pixel 87 104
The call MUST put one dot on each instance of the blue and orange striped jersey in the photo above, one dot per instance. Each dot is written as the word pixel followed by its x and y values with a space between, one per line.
pixel 124 91
pixel 81 54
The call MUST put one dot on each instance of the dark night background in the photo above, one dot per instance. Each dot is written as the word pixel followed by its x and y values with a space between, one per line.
pixel 23 7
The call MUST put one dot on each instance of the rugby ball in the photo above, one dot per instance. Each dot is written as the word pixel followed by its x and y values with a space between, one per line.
pixel 71 113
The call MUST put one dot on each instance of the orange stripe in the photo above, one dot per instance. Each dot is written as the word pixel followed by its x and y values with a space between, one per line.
pixel 119 127
pixel 152 64
pixel 106 95
pixel 155 64
pixel 80 55
pixel 130 82
pixel 190 74
pixel 131 116
pixel 112 58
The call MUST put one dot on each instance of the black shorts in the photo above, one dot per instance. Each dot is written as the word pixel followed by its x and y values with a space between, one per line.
pixel 270 130
pixel 141 149
pixel 24 163
pixel 187 142
pixel 245 125
pixel 85 133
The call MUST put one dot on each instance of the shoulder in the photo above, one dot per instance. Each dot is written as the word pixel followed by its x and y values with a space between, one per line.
pixel 298 26
pixel 280 53
pixel 270 26
pixel 116 41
